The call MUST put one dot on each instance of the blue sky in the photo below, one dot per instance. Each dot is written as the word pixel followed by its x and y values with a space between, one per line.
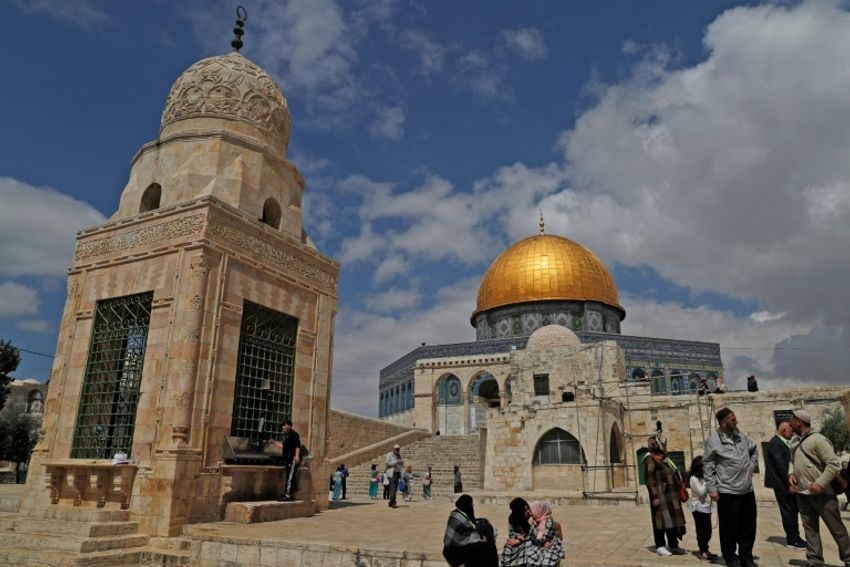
pixel 698 148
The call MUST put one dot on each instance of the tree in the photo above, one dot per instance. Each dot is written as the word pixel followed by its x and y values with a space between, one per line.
pixel 18 435
pixel 834 428
pixel 10 358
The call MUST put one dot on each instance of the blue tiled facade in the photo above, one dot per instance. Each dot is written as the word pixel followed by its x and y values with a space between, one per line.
pixel 672 366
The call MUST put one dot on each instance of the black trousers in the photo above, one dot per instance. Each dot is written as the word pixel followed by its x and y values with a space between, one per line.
pixel 672 537
pixel 343 488
pixel 736 514
pixel 394 487
pixel 789 512
pixel 702 522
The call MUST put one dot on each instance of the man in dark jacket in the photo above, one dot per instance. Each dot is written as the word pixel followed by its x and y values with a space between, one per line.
pixel 776 459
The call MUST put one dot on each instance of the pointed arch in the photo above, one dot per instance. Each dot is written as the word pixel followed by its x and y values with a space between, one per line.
pixel 151 198
pixel 271 213
pixel 615 446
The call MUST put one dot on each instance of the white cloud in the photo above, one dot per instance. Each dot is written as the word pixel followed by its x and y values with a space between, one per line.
pixel 527 43
pixel 366 341
pixel 484 74
pixel 34 325
pixel 388 123
pixel 17 300
pixel 392 300
pixel 37 228
pixel 81 12
pixel 431 53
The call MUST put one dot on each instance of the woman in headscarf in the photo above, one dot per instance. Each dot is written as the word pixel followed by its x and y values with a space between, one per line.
pixel 664 482
pixel 462 544
pixel 515 552
pixel 546 549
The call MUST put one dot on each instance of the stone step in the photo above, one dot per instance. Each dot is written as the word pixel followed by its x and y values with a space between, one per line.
pixel 70 543
pixel 19 557
pixel 268 511
pixel 158 557
pixel 28 524
pixel 81 514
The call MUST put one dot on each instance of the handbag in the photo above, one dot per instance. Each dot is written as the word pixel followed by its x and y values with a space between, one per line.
pixel 838 484
pixel 683 494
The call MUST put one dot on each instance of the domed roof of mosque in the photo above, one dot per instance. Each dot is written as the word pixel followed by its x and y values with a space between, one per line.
pixel 231 87
pixel 546 267
pixel 552 336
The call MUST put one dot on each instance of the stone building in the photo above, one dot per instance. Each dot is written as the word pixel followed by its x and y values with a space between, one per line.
pixel 558 397
pixel 200 310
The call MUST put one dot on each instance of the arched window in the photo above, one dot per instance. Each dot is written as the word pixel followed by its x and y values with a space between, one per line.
pixel 35 402
pixel 271 213
pixel 614 446
pixel 638 374
pixel 150 198
pixel 448 391
pixel 557 447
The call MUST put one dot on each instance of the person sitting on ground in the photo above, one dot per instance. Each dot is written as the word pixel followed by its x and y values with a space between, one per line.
pixel 546 550
pixel 515 552
pixel 462 543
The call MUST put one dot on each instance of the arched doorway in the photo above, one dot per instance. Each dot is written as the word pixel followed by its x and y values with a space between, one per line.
pixel 483 395
pixel 616 457
pixel 448 418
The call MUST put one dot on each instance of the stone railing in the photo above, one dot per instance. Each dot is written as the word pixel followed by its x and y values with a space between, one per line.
pixel 87 480
pixel 364 454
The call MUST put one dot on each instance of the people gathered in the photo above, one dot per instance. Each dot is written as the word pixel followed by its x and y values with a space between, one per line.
pixel 466 540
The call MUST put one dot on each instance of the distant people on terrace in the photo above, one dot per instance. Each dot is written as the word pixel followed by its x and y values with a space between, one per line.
pixel 752 384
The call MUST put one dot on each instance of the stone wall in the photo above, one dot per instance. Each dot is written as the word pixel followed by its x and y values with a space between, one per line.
pixel 348 432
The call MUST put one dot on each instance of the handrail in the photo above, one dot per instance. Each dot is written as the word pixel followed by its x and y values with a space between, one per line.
pixel 360 456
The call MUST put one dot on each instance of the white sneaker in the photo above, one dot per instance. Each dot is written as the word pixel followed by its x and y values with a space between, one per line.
pixel 663 551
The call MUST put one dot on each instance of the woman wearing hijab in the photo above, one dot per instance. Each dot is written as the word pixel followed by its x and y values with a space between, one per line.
pixel 546 549
pixel 515 552
pixel 462 544
pixel 664 482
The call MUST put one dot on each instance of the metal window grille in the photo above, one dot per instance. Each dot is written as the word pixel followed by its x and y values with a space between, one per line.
pixel 541 384
pixel 107 414
pixel 559 448
pixel 264 374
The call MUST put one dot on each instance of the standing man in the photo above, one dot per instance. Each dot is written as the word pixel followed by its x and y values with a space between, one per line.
pixel 729 460
pixel 813 466
pixel 777 456
pixel 394 465
pixel 291 449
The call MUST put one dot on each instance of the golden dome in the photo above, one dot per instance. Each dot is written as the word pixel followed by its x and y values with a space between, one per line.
pixel 546 267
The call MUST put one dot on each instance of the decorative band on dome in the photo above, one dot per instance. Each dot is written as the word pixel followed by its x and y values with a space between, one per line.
pixel 230 86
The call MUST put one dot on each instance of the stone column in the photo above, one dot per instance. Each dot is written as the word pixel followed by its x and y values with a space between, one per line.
pixel 185 347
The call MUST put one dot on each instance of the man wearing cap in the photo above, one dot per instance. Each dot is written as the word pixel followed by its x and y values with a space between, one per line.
pixel 776 459
pixel 812 468
pixel 394 465
pixel 730 458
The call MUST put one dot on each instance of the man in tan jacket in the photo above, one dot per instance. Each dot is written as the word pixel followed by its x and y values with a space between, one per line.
pixel 813 465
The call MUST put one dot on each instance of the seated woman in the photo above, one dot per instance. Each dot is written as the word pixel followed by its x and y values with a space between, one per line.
pixel 515 552
pixel 462 543
pixel 546 549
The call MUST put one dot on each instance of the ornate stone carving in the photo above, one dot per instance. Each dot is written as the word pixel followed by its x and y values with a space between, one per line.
pixel 183 400
pixel 141 237
pixel 196 302
pixel 192 335
pixel 230 86
pixel 271 253
pixel 200 266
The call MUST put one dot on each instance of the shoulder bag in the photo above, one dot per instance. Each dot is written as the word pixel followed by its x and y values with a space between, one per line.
pixel 839 483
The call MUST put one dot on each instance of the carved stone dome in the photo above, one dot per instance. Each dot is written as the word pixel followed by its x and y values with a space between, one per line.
pixel 552 336
pixel 546 267
pixel 233 88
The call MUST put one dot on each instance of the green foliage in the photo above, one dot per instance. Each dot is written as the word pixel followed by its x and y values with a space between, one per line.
pixel 18 433
pixel 10 358
pixel 834 428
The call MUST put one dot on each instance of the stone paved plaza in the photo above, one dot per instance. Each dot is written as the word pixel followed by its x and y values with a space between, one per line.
pixel 595 535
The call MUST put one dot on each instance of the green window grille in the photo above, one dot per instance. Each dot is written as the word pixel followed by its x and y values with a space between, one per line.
pixel 264 374
pixel 110 395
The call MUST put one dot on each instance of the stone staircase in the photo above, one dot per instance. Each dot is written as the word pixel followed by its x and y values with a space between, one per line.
pixel 64 536
pixel 441 453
